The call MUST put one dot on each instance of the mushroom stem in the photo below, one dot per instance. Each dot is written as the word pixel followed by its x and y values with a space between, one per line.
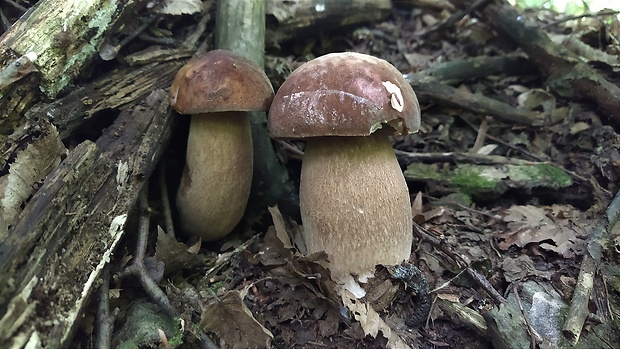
pixel 351 186
pixel 216 180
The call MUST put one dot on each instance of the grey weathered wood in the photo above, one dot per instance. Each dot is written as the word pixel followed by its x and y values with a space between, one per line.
pixel 71 226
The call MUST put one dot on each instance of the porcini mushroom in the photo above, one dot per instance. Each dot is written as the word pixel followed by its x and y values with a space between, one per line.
pixel 217 89
pixel 353 197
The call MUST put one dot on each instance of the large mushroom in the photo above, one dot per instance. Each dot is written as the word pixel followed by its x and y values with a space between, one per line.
pixel 217 89
pixel 353 197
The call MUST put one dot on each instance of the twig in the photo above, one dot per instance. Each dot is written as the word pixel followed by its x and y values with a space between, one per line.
pixel 457 157
pixel 17 6
pixel 109 49
pixel 578 310
pixel 570 18
pixel 430 89
pixel 4 21
pixel 533 156
pixel 465 208
pixel 481 136
pixel 460 262
pixel 165 200
pixel 449 22
pixel 138 268
pixel 105 320
pixel 462 315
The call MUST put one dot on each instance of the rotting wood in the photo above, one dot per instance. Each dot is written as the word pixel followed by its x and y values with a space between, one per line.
pixel 120 89
pixel 567 75
pixel 69 229
pixel 430 89
pixel 295 19
pixel 579 310
pixel 64 35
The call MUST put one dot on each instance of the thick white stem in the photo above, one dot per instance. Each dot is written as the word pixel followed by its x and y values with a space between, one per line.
pixel 355 203
pixel 216 181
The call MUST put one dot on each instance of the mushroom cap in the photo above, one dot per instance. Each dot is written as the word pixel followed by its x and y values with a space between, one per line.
pixel 220 81
pixel 343 94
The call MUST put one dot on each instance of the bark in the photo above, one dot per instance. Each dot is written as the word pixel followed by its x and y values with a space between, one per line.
pixel 64 35
pixel 67 232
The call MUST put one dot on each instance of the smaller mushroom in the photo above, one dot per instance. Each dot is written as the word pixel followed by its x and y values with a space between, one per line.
pixel 218 89
pixel 353 197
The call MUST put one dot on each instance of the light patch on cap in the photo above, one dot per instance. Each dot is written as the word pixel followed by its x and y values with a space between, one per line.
pixel 397 97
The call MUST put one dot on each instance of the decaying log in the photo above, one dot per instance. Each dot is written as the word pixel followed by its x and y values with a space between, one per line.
pixel 298 18
pixel 430 89
pixel 64 36
pixel 120 89
pixel 579 305
pixel 67 232
pixel 567 74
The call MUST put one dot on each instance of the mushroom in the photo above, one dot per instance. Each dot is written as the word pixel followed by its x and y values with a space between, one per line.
pixel 218 89
pixel 353 196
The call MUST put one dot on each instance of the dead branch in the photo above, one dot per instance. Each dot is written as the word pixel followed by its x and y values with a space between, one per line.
pixel 567 75
pixel 428 88
pixel 460 262
pixel 578 311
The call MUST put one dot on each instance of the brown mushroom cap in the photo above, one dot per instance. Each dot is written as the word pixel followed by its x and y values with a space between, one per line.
pixel 343 94
pixel 220 81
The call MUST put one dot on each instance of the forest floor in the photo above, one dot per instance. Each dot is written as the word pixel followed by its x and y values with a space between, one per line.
pixel 507 200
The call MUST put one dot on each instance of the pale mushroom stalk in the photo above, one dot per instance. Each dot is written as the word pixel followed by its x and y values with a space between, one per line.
pixel 218 89
pixel 372 205
pixel 353 197
pixel 219 151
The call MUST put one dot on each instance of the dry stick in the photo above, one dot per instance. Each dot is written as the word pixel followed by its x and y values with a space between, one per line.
pixel 4 21
pixel 481 136
pixel 138 268
pixel 109 49
pixel 570 18
pixel 450 21
pixel 165 199
pixel 430 89
pixel 17 6
pixel 575 175
pixel 460 262
pixel 578 310
pixel 460 157
pixel 105 321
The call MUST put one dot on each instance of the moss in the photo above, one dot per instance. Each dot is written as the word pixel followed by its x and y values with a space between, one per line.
pixel 177 339
pixel 547 175
pixel 422 171
pixel 472 180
